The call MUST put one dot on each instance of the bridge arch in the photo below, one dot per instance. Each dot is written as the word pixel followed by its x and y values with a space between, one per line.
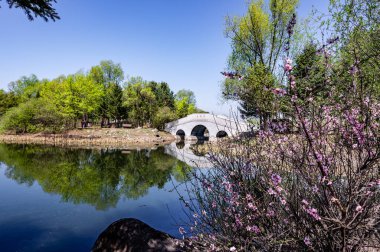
pixel 201 132
pixel 221 134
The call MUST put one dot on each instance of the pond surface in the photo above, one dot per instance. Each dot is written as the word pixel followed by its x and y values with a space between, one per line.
pixel 56 199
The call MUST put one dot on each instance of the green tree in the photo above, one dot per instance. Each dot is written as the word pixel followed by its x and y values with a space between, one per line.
pixel 34 115
pixel 7 101
pixel 258 39
pixel 355 68
pixel 309 72
pixel 109 75
pixel 165 97
pixel 74 96
pixel 26 87
pixel 184 93
pixel 36 8
pixel 255 92
pixel 140 102
pixel 185 103
pixel 162 116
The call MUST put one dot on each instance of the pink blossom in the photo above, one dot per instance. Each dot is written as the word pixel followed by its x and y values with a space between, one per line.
pixel 307 241
pixel 279 91
pixel 271 191
pixel 292 84
pixel 270 213
pixel 294 98
pixel 288 65
pixel 333 199
pixel 255 229
pixel 314 213
pixel 249 197
pixel 279 189
pixel 251 206
pixel 359 209
pixel 305 202
pixel 276 179
pixel 232 249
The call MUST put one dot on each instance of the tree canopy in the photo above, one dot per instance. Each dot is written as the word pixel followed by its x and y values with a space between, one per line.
pixel 99 96
pixel 258 39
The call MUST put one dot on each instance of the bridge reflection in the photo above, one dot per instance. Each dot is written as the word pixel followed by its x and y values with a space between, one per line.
pixel 184 151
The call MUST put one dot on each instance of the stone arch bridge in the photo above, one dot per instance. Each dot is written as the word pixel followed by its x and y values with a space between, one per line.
pixel 205 127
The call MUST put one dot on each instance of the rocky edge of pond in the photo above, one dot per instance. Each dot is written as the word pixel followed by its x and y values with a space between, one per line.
pixel 103 138
pixel 134 235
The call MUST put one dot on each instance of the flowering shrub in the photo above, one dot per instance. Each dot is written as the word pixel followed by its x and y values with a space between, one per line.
pixel 314 190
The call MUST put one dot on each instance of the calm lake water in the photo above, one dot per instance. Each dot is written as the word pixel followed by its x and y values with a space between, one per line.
pixel 56 199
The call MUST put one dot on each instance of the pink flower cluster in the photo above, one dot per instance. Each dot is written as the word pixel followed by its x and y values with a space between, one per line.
pixel 279 91
pixel 311 211
pixel 288 65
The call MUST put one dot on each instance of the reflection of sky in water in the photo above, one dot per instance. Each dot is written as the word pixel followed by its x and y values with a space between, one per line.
pixel 32 220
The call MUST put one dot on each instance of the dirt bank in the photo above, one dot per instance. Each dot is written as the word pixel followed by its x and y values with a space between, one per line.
pixel 97 138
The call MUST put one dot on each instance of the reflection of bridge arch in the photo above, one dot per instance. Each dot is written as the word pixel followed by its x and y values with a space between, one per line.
pixel 194 124
pixel 181 134
pixel 186 155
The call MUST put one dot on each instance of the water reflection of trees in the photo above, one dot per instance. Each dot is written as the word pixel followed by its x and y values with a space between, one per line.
pixel 99 178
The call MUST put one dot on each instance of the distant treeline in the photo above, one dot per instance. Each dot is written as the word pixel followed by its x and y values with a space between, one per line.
pixel 99 96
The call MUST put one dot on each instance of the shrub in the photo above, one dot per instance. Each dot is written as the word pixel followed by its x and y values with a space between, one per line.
pixel 35 115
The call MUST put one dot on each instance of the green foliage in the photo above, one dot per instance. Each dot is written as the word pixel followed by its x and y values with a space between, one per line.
pixel 55 105
pixel 186 94
pixel 357 24
pixel 110 75
pixel 163 115
pixel 32 116
pixel 183 107
pixel 256 91
pixel 140 102
pixel 74 95
pixel 310 75
pixel 26 88
pixel 107 72
pixel 260 35
pixel 164 96
pixel 7 101
pixel 153 104
pixel 258 39
pixel 185 103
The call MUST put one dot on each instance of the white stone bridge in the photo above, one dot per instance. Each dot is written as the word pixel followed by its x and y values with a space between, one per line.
pixel 205 127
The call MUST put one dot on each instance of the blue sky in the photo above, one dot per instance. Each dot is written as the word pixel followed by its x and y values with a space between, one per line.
pixel 180 42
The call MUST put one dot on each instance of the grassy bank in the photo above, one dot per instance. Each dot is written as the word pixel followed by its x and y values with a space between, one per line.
pixel 97 138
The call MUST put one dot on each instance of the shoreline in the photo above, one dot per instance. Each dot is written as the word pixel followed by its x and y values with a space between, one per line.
pixel 95 138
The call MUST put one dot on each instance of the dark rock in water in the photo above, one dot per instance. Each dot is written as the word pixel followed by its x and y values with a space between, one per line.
pixel 133 235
